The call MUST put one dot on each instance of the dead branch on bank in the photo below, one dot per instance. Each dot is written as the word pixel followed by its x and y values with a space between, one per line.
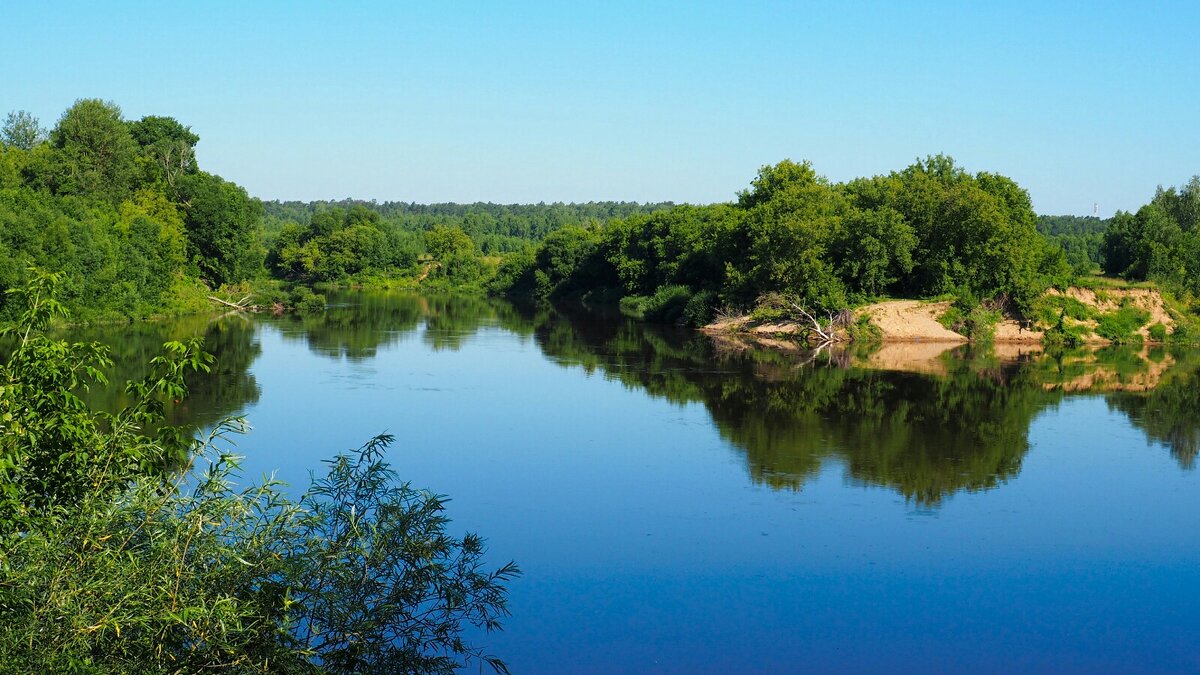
pixel 241 305
pixel 834 321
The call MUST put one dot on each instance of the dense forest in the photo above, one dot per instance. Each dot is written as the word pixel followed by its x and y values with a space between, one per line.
pixel 122 210
pixel 495 228
pixel 1080 238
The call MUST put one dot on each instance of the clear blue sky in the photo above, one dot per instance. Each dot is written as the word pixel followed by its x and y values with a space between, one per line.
pixel 546 101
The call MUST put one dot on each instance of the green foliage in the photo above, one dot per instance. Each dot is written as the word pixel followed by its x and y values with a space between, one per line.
pixel 51 445
pixel 1049 309
pixel 94 153
pixel 21 130
pixel 111 565
pixel 700 309
pixel 667 305
pixel 1081 239
pixel 122 212
pixel 1161 242
pixel 976 320
pixel 495 228
pixel 1122 325
pixel 223 242
pixel 168 148
pixel 306 301
pixel 927 230
pixel 1157 332
pixel 337 245
pixel 357 575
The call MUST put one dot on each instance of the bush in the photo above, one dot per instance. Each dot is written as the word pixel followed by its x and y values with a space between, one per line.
pixel 1157 332
pixel 634 306
pixel 1048 309
pixel 358 575
pixel 667 304
pixel 305 301
pixel 1121 326
pixel 700 309
pixel 977 321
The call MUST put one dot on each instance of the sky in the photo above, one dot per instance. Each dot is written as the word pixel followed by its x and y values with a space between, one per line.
pixel 1080 103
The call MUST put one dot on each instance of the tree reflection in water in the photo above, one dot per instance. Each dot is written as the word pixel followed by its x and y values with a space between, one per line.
pixel 928 428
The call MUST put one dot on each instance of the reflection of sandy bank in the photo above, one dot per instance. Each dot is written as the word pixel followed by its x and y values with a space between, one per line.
pixel 1016 351
pixel 909 357
pixel 742 341
pixel 1104 377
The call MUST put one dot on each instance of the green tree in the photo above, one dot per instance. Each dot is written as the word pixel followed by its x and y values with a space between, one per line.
pixel 96 154
pixel 222 228
pixel 21 130
pixel 167 146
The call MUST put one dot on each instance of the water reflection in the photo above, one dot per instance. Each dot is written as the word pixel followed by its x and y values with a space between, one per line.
pixel 927 422
pixel 227 390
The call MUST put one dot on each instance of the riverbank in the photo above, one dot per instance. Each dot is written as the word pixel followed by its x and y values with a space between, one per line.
pixel 1082 315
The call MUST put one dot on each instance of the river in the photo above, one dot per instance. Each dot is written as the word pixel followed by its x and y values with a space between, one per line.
pixel 679 504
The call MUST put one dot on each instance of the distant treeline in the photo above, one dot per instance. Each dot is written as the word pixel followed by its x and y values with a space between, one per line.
pixel 1080 238
pixel 122 210
pixel 496 228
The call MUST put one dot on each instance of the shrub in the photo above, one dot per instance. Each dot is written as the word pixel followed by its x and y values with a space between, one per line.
pixel 700 309
pixel 667 304
pixel 1121 326
pixel 305 301
pixel 1157 332
pixel 977 322
pixel 634 306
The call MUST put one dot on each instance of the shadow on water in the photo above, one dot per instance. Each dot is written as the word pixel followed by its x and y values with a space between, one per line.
pixel 926 421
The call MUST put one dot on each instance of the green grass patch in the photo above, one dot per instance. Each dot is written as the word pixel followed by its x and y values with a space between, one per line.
pixel 977 323
pixel 1122 325
pixel 1096 281
pixel 1049 310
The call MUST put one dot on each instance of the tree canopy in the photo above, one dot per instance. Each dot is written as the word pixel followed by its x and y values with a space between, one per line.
pixel 929 229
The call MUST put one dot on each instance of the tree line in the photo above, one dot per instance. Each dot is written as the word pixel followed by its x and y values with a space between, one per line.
pixel 124 212
pixel 926 230
pixel 1159 242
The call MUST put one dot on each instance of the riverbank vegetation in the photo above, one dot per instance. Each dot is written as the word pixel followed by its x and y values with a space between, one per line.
pixel 122 210
pixel 113 562
pixel 927 230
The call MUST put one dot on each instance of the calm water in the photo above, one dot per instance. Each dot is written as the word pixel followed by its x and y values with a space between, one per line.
pixel 684 506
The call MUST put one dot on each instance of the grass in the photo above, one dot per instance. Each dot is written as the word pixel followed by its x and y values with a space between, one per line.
pixel 1095 281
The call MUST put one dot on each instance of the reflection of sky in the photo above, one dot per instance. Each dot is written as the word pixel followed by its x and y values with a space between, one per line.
pixel 646 546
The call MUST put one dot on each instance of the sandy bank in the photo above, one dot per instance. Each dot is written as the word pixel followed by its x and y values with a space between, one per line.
pixel 917 320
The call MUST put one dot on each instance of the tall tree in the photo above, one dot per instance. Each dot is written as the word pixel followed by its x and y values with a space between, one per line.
pixel 96 153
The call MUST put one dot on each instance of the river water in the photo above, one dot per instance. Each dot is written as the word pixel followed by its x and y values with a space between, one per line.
pixel 679 504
